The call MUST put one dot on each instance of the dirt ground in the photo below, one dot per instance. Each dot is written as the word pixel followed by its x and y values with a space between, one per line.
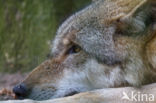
pixel 9 80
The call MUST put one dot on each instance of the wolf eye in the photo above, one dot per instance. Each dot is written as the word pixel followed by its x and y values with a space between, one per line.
pixel 74 49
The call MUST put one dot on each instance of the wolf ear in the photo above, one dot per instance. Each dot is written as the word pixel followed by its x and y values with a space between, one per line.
pixel 138 18
pixel 135 15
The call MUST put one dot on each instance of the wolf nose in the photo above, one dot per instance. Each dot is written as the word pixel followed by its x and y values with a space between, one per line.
pixel 20 90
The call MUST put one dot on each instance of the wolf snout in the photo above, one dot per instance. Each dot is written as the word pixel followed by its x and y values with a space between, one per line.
pixel 20 90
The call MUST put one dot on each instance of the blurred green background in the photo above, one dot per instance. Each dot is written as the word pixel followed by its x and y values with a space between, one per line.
pixel 27 28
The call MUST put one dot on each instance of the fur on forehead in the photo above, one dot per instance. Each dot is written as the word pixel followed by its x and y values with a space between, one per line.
pixel 82 20
pixel 65 34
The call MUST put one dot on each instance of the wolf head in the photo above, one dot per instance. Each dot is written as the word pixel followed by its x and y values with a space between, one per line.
pixel 110 43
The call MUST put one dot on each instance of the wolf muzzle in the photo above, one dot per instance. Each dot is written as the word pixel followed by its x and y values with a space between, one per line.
pixel 20 90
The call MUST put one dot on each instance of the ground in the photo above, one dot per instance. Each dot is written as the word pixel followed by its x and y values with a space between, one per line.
pixel 9 80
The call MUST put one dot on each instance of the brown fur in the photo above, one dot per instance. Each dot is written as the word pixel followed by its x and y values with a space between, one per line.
pixel 118 48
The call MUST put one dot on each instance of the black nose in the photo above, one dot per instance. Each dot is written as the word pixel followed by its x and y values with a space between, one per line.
pixel 20 90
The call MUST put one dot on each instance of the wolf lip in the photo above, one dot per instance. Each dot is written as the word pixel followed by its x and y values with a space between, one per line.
pixel 71 93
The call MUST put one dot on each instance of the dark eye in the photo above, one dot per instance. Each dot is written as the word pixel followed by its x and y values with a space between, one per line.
pixel 74 49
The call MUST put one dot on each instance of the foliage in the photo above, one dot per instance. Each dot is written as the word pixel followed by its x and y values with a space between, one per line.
pixel 27 28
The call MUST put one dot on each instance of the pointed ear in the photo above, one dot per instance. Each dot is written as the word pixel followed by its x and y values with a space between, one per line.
pixel 134 15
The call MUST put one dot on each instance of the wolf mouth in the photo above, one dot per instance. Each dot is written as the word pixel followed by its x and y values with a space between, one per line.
pixel 71 93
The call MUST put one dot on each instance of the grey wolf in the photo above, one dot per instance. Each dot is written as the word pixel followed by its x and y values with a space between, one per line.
pixel 109 44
